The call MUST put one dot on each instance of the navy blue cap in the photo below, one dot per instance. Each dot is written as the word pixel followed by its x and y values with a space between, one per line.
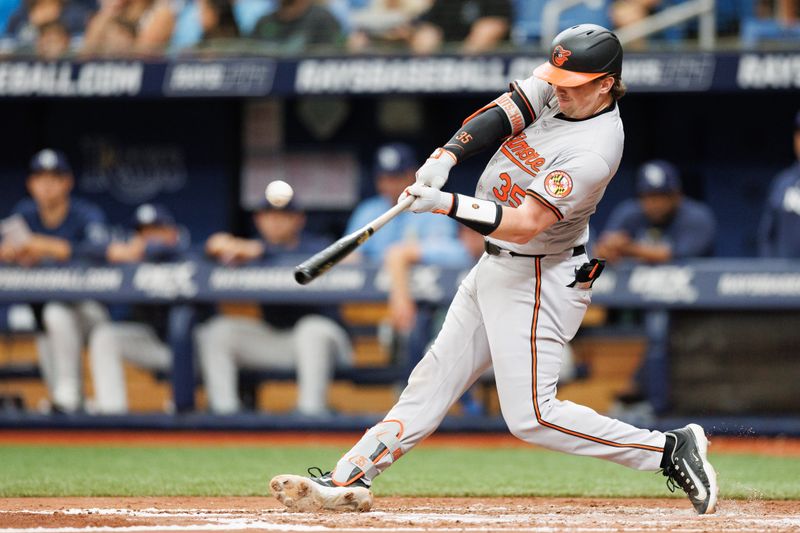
pixel 49 160
pixel 657 177
pixel 152 215
pixel 265 205
pixel 395 158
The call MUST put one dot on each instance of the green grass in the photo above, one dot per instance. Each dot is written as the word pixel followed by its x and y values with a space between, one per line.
pixel 244 471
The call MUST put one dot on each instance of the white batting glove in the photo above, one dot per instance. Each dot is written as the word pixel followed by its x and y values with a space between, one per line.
pixel 435 171
pixel 428 199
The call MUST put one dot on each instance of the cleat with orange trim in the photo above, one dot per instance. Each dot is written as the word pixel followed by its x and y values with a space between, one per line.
pixel 685 464
pixel 318 493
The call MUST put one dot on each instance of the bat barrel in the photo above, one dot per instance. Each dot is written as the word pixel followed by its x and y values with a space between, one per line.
pixel 318 264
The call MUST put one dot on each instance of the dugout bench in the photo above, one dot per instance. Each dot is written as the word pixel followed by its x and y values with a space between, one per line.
pixel 676 295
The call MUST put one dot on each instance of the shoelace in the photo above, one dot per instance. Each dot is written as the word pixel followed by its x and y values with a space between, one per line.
pixel 674 482
pixel 320 473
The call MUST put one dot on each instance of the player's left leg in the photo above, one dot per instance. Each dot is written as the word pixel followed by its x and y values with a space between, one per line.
pixel 528 323
pixel 458 356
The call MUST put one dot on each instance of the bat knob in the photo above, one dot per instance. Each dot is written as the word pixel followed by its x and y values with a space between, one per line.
pixel 302 275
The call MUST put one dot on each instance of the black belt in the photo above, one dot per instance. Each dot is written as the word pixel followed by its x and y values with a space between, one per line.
pixel 493 249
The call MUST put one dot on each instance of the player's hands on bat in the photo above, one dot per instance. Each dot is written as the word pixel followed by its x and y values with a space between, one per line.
pixel 435 171
pixel 428 199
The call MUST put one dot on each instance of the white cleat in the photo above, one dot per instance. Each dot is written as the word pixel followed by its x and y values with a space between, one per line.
pixel 307 495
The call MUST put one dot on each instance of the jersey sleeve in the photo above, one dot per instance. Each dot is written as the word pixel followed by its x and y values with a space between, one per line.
pixel 769 217
pixel 95 237
pixel 623 218
pixel 26 208
pixel 766 231
pixel 571 185
pixel 694 237
pixel 534 93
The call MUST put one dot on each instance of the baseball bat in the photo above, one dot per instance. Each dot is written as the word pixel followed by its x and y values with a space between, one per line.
pixel 321 262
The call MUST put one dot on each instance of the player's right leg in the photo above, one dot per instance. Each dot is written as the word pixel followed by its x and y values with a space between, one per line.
pixel 227 343
pixel 108 374
pixel 114 342
pixel 458 356
pixel 685 464
pixel 527 326
pixel 62 325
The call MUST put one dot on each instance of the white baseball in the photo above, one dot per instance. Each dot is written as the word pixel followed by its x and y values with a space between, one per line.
pixel 279 193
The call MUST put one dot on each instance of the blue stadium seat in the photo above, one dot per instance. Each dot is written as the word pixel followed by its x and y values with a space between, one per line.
pixel 583 14
pixel 7 7
pixel 678 33
pixel 247 13
pixel 730 13
pixel 755 30
pixel 527 24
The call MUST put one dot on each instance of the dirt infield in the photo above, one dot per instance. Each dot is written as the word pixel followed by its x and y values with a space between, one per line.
pixel 85 515
pixel 390 514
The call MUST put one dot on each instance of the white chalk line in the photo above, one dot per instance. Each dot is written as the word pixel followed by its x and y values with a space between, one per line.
pixel 501 518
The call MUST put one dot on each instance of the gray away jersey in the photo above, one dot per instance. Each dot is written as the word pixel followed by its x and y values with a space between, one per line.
pixel 564 164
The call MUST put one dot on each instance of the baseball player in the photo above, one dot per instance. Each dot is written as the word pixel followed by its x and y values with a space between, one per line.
pixel 779 231
pixel 527 295
pixel 140 337
pixel 63 228
pixel 659 225
pixel 308 338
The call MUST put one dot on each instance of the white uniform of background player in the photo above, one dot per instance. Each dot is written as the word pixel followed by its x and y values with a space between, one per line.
pixel 52 227
pixel 519 306
pixel 288 337
pixel 157 238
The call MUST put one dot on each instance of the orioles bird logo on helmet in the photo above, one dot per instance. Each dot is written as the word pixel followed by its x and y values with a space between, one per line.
pixel 560 55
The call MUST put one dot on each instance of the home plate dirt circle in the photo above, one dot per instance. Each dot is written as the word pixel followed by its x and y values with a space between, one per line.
pixel 81 515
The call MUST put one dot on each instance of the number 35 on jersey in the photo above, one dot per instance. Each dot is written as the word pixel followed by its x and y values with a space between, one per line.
pixel 509 192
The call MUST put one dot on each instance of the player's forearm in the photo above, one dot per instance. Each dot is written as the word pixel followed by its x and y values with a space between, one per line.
pixel 399 260
pixel 478 133
pixel 649 253
pixel 520 225
pixel 249 249
pixel 504 116
pixel 46 247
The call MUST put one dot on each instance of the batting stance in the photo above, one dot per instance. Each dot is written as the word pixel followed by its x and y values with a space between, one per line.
pixel 527 295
